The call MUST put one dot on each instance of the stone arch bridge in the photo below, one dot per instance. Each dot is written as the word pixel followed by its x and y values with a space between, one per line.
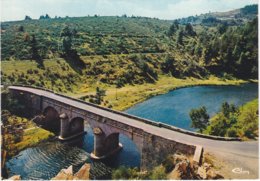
pixel 154 140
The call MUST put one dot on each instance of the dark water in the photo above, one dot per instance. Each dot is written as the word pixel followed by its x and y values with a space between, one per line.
pixel 47 159
pixel 173 108
pixel 43 161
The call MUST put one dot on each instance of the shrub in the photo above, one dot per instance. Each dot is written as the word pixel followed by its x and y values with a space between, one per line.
pixel 36 71
pixel 121 173
pixel 158 173
pixel 30 71
pixel 232 132
pixel 31 81
pixel 91 100
pixel 168 164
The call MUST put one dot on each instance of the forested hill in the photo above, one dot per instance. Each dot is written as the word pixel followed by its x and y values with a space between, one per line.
pixel 121 50
pixel 233 17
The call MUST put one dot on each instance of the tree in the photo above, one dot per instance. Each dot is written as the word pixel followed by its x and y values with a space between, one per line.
pixel 27 18
pixel 180 37
pixel 67 44
pixel 42 17
pixel 199 118
pixel 70 54
pixel 21 28
pixel 222 28
pixel 66 35
pixel 47 16
pixel 34 48
pixel 100 93
pixel 189 30
pixel 226 109
pixel 167 65
pixel 173 28
pixel 176 23
pixel 218 125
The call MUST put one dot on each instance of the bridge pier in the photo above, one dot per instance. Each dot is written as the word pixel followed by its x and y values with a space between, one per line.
pixel 105 146
pixel 64 129
pixel 69 130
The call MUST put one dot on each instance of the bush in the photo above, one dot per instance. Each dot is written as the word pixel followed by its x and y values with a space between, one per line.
pixel 31 81
pixel 228 76
pixel 30 71
pixel 121 173
pixel 168 164
pixel 232 132
pixel 158 173
pixel 248 133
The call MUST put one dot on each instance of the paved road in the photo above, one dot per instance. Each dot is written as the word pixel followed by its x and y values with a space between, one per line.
pixel 239 149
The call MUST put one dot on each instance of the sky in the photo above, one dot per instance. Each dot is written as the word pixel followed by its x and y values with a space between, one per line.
pixel 163 9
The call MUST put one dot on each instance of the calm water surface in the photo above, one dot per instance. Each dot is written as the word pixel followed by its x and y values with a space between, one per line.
pixel 173 108
pixel 46 160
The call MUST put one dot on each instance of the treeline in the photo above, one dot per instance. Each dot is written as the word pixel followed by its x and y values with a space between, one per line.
pixel 231 18
pixel 41 17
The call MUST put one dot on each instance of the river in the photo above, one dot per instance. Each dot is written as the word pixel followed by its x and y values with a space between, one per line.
pixel 173 108
pixel 47 159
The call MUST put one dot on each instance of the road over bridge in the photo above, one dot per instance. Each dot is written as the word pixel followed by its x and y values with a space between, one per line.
pixel 154 140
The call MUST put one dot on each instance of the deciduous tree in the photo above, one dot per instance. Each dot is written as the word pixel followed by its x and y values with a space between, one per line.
pixel 199 118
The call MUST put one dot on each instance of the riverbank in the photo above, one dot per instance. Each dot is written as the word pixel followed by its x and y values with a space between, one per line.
pixel 20 133
pixel 130 95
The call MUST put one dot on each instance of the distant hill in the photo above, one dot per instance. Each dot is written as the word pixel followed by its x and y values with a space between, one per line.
pixel 233 17
pixel 93 35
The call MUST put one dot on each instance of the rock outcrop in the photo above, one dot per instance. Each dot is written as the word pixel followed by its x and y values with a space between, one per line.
pixel 206 171
pixel 180 167
pixel 83 173
pixel 67 174
pixel 15 177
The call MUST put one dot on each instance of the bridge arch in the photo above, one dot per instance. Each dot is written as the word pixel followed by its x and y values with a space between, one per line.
pixel 51 119
pixel 116 134
pixel 76 125
pixel 131 149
